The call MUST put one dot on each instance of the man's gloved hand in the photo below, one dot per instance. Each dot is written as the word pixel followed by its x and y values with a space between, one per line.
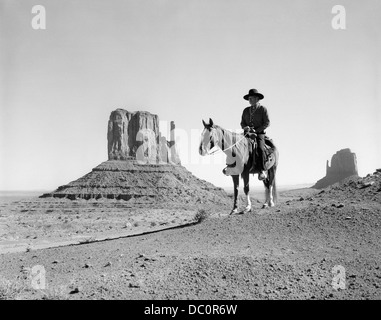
pixel 249 132
pixel 248 129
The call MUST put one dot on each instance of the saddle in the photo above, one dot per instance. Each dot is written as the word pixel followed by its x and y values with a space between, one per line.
pixel 268 154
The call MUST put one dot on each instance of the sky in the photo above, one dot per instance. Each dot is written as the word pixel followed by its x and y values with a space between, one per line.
pixel 186 60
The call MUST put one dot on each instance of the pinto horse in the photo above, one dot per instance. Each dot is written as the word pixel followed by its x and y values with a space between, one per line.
pixel 239 162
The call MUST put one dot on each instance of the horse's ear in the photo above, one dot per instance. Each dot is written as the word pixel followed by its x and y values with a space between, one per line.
pixel 210 122
pixel 203 122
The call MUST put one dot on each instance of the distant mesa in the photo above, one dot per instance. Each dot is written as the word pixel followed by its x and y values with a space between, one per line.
pixel 343 165
pixel 142 167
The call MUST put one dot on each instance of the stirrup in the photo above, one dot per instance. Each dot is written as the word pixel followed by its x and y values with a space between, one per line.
pixel 262 175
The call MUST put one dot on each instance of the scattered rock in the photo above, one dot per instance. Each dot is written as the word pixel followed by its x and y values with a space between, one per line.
pixel 25 269
pixel 108 264
pixel 75 290
pixel 366 184
pixel 340 205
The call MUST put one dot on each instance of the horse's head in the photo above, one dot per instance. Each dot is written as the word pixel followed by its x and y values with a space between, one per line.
pixel 209 138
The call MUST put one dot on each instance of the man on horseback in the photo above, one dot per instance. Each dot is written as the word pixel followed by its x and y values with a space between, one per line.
pixel 255 120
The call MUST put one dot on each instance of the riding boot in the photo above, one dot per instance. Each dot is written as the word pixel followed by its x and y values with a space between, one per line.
pixel 262 175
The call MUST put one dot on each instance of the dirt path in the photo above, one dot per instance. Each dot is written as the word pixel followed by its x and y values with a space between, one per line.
pixel 285 252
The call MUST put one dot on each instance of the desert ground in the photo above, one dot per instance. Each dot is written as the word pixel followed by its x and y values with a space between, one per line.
pixel 93 249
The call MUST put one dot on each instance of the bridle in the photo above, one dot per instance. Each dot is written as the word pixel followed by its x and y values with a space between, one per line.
pixel 220 150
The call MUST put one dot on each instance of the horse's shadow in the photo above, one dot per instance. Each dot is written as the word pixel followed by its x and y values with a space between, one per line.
pixel 256 211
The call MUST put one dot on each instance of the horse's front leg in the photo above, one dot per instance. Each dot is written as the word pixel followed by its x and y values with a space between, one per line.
pixel 271 199
pixel 236 185
pixel 246 189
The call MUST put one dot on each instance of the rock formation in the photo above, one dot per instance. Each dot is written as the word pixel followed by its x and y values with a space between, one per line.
pixel 143 168
pixel 141 184
pixel 136 136
pixel 343 165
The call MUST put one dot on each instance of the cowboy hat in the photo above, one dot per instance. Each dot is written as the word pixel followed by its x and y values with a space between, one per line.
pixel 253 92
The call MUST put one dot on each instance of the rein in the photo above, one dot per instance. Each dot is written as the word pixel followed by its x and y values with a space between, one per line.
pixel 218 150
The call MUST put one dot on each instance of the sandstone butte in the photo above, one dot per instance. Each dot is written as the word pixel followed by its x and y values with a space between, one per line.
pixel 343 165
pixel 142 167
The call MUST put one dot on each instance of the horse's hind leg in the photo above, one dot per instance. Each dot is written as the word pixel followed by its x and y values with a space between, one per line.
pixel 270 199
pixel 272 186
pixel 267 194
pixel 246 189
pixel 236 185
pixel 269 202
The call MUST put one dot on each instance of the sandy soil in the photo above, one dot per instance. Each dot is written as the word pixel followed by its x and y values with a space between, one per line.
pixel 286 252
pixel 40 223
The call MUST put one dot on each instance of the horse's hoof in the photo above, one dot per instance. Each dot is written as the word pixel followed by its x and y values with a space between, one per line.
pixel 235 211
pixel 265 206
pixel 272 204
pixel 247 210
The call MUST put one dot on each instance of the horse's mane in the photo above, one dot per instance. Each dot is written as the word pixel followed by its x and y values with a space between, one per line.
pixel 240 143
pixel 228 131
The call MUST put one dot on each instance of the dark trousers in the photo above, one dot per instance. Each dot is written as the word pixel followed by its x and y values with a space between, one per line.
pixel 261 151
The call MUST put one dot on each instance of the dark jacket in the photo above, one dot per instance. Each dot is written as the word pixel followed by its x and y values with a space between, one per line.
pixel 259 119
